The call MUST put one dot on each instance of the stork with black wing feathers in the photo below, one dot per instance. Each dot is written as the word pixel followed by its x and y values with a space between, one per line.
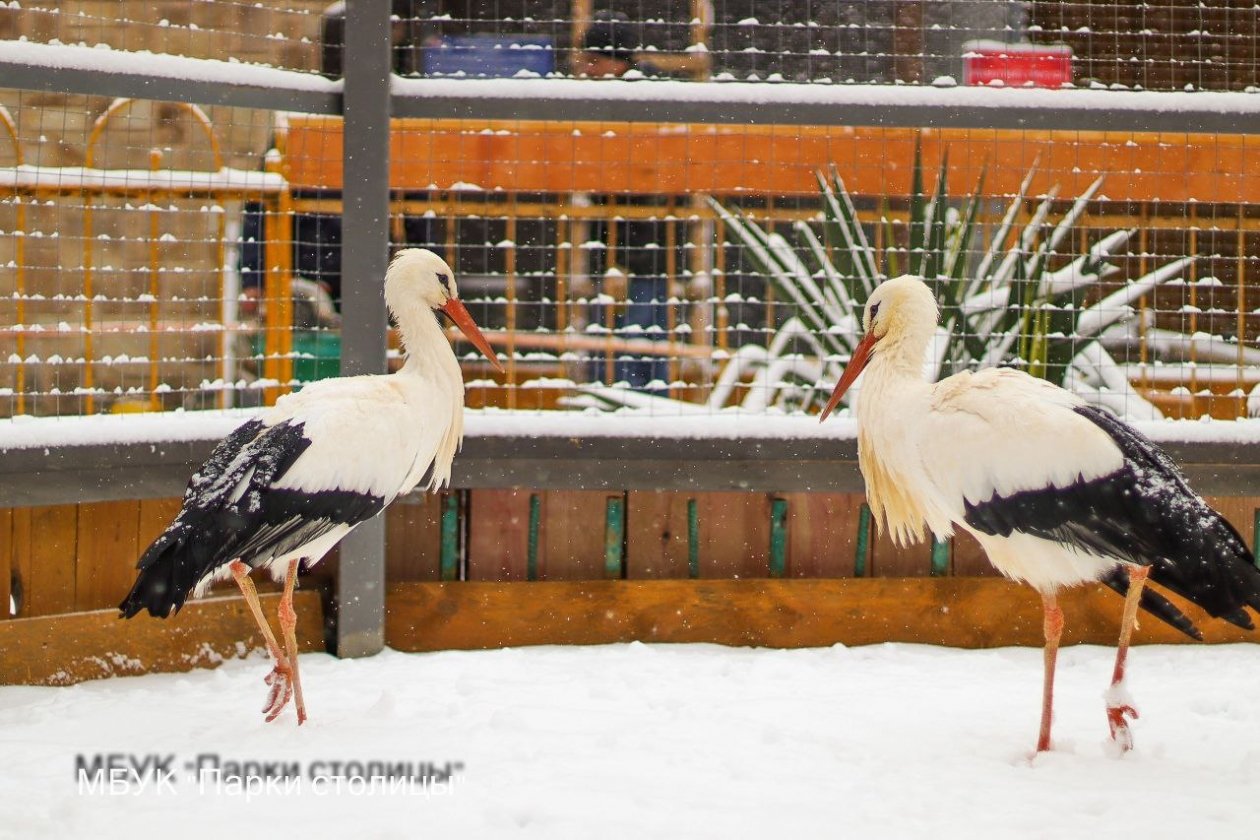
pixel 286 487
pixel 1057 492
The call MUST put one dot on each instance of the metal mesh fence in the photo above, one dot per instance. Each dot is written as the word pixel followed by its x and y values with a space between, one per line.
pixel 160 256
pixel 278 33
pixel 1152 46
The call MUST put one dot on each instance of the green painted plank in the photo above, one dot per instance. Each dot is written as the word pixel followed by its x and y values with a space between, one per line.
pixel 531 556
pixel 863 541
pixel 449 555
pixel 615 538
pixel 940 558
pixel 693 539
pixel 778 537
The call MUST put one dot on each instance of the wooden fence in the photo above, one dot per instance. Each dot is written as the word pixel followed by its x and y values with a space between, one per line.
pixel 491 567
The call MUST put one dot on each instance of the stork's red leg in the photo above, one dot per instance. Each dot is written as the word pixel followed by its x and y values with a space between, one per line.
pixel 288 623
pixel 1053 626
pixel 281 686
pixel 1119 706
pixel 241 574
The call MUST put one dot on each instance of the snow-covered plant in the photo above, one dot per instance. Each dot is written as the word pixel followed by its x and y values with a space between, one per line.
pixel 1007 302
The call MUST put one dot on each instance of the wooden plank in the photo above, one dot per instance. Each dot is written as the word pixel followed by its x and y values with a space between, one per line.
pixel 50 575
pixel 571 542
pixel 412 537
pixel 969 559
pixel 822 533
pixel 568 156
pixel 106 554
pixel 734 535
pixel 957 612
pixel 656 534
pixel 891 560
pixel 6 560
pixel 498 534
pixel 20 565
pixel 66 649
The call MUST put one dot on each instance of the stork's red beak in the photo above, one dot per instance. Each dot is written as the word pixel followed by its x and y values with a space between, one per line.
pixel 456 311
pixel 861 355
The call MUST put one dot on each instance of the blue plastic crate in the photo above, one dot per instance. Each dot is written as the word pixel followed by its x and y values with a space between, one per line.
pixel 490 56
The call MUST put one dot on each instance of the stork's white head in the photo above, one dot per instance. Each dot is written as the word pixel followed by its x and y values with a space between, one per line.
pixel 418 273
pixel 417 279
pixel 899 321
pixel 901 309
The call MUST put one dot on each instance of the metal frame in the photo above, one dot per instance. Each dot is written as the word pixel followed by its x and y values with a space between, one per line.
pixel 288 89
pixel 360 628
pixel 754 463
pixel 814 104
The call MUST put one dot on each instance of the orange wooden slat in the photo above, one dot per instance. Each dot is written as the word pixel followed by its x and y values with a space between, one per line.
pixel 413 537
pixel 49 577
pixel 734 535
pixel 498 534
pixel 20 564
pixel 891 560
pixel 656 534
pixel 968 558
pixel 107 552
pixel 571 540
pixel 6 560
pixel 574 156
pixel 959 612
pixel 822 533
pixel 66 649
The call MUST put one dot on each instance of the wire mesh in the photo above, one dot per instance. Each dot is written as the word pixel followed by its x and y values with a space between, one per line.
pixel 1152 46
pixel 162 255
pixel 279 33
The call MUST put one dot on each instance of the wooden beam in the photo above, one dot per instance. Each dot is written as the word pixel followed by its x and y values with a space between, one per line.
pixel 67 649
pixel 681 159
pixel 957 612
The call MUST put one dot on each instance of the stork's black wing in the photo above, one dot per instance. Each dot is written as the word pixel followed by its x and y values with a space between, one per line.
pixel 232 510
pixel 1144 513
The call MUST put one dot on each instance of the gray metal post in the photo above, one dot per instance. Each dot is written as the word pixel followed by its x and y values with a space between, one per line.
pixel 365 253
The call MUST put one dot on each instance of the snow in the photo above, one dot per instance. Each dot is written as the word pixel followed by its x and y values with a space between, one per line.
pixel 75 178
pixel 25 432
pixel 738 94
pixel 639 740
pixel 680 421
pixel 102 59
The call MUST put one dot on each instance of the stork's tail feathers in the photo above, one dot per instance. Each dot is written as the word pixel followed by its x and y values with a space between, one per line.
pixel 169 571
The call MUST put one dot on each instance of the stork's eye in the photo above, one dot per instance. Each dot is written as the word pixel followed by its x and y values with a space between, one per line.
pixel 445 280
pixel 874 311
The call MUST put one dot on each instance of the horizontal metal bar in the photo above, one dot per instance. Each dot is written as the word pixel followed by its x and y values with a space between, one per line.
pixel 166 79
pixel 815 104
pixel 107 471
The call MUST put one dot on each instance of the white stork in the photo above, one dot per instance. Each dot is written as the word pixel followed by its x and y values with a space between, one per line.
pixel 285 487
pixel 1057 492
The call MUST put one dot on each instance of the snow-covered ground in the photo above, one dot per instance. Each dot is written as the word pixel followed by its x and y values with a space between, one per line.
pixel 887 741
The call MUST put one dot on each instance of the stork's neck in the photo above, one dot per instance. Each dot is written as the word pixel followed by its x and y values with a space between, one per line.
pixel 894 384
pixel 428 349
pixel 899 357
